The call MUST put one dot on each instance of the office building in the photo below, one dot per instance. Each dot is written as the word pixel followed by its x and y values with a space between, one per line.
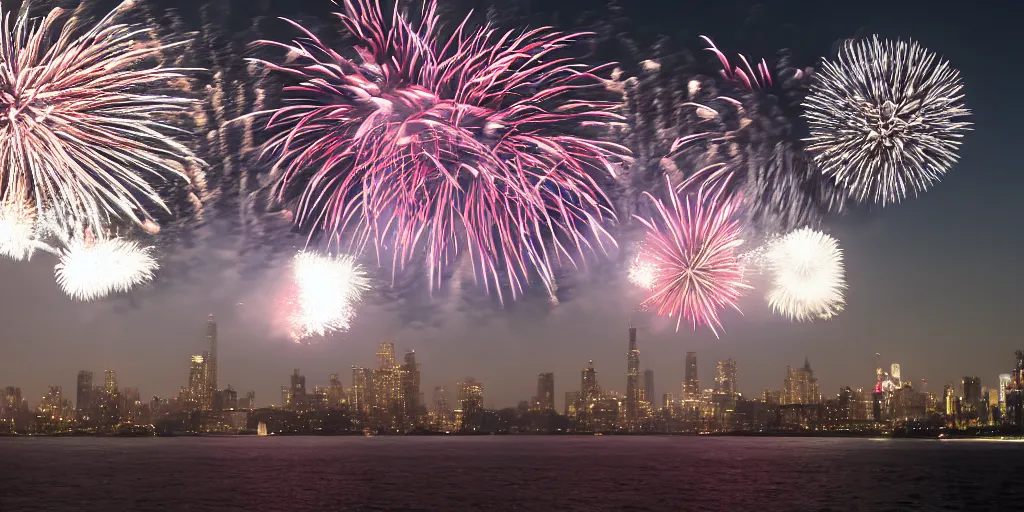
pixel 633 389
pixel 335 392
pixel 588 385
pixel 691 385
pixel 299 400
pixel 211 360
pixel 109 382
pixel 83 396
pixel 388 411
pixel 971 391
pixel 361 393
pixel 471 396
pixel 725 377
pixel 801 386
pixel 410 377
pixel 649 389
pixel 546 392
pixel 572 404
pixel 197 395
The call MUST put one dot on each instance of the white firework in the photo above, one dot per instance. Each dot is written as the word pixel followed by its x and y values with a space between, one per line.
pixel 886 119
pixel 642 273
pixel 90 268
pixel 17 230
pixel 807 275
pixel 755 261
pixel 327 290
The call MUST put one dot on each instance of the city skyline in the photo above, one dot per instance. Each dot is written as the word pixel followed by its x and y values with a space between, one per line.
pixel 201 384
pixel 928 280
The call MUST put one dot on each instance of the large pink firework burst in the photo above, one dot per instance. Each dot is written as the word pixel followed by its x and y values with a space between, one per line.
pixel 692 246
pixel 453 146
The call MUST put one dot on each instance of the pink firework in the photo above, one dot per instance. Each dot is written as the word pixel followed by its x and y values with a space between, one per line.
pixel 748 78
pixel 451 146
pixel 692 245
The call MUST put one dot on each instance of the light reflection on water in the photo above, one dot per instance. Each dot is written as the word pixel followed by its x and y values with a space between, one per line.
pixel 493 473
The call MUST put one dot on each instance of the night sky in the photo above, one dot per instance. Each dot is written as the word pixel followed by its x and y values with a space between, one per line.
pixel 934 282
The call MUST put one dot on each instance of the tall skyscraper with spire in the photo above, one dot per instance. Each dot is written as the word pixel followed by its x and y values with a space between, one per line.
pixel 211 357
pixel 632 381
pixel 691 386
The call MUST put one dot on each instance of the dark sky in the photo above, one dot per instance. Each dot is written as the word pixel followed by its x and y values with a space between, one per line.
pixel 934 283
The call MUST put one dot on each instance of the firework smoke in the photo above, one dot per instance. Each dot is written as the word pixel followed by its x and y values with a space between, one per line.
pixel 886 119
pixel 744 116
pixel 807 274
pixel 92 268
pixel 447 146
pixel 81 129
pixel 745 123
pixel 327 291
pixel 691 244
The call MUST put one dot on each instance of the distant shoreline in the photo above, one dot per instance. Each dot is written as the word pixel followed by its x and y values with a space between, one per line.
pixel 867 435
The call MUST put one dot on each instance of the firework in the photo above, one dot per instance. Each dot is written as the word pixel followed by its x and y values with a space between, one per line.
pixel 461 145
pixel 886 119
pixel 92 268
pixel 326 292
pixel 806 268
pixel 745 121
pixel 17 230
pixel 691 244
pixel 81 129
pixel 642 273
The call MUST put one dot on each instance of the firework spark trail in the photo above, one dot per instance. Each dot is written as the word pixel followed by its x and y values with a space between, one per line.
pixel 17 230
pixel 692 244
pixel 460 146
pixel 808 276
pixel 884 119
pixel 327 290
pixel 755 261
pixel 80 130
pixel 91 268
pixel 749 129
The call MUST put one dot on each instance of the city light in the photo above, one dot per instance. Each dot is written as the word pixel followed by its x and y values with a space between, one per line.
pixel 387 398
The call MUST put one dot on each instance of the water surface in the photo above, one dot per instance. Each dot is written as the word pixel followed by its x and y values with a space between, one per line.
pixel 513 473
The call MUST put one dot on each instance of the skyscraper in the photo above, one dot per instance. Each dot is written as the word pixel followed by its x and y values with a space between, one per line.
pixel 1020 364
pixel 471 396
pixel 83 395
pixel 298 390
pixel 388 401
pixel 546 391
pixel 632 380
pixel 691 386
pixel 572 404
pixel 109 382
pixel 588 386
pixel 197 382
pixel 211 357
pixel 361 392
pixel 894 373
pixel 249 402
pixel 725 377
pixel 649 388
pixel 971 389
pixel 801 386
pixel 336 391
pixel 1004 382
pixel 411 388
